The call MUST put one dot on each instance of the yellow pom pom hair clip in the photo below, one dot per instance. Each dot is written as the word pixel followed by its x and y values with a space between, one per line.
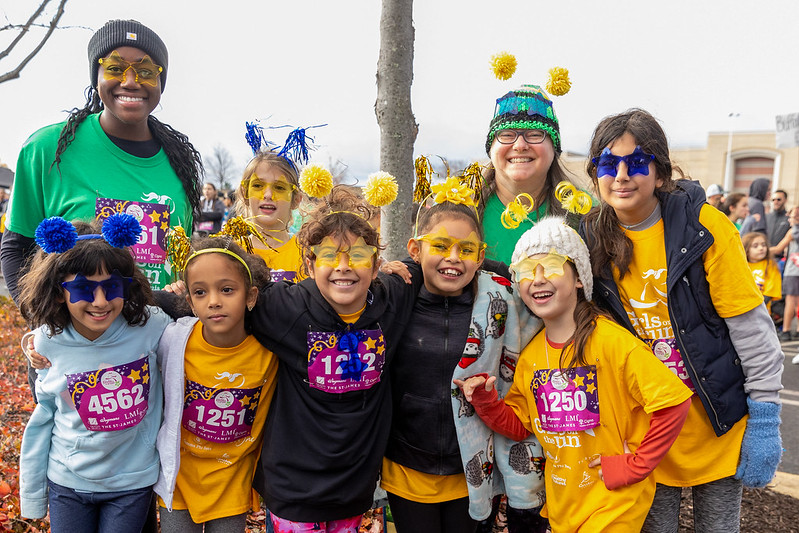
pixel 504 65
pixel 558 82
pixel 517 210
pixel 381 189
pixel 316 181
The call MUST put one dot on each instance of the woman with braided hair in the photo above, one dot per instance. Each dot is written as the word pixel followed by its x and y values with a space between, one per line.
pixel 110 156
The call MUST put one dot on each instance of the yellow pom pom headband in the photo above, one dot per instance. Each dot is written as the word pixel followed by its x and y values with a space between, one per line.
pixel 380 190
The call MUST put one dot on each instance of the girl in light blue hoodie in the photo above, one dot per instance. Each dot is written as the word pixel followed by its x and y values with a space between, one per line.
pixel 89 448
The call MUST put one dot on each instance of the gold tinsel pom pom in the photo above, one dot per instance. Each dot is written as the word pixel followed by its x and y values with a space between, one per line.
pixel 178 248
pixel 239 230
pixel 380 189
pixel 558 83
pixel 504 65
pixel 316 181
pixel 423 170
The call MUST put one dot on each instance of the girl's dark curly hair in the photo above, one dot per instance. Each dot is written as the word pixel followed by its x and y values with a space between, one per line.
pixel 42 299
pixel 340 213
pixel 257 266
pixel 184 159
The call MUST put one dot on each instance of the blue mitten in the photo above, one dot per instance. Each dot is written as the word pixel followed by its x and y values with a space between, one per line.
pixel 761 448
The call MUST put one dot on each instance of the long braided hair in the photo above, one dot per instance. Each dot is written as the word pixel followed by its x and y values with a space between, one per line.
pixel 184 159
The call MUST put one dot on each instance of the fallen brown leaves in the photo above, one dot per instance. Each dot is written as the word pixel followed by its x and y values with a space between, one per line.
pixel 16 405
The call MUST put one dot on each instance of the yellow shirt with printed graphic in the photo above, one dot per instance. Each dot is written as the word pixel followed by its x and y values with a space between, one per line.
pixel 215 478
pixel 286 259
pixel 698 455
pixel 631 384
pixel 768 279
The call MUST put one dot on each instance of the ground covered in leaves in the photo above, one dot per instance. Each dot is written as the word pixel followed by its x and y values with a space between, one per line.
pixel 762 510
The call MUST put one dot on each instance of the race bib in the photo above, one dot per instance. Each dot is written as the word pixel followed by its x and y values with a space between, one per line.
pixel 283 275
pixel 112 398
pixel 345 361
pixel 666 350
pixel 219 415
pixel 154 220
pixel 567 400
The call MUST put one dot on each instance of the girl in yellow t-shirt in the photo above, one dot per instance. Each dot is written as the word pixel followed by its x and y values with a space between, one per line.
pixel 218 385
pixel 268 195
pixel 603 407
pixel 672 269
pixel 764 269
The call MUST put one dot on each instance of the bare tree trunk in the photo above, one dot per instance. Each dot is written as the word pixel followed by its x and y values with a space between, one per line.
pixel 398 126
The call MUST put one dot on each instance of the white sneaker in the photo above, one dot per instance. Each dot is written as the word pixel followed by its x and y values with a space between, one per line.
pixel 795 359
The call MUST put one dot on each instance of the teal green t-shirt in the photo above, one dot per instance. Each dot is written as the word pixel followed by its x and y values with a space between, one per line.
pixel 97 176
pixel 500 240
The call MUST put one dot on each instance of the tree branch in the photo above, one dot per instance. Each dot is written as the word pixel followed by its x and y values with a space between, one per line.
pixel 13 74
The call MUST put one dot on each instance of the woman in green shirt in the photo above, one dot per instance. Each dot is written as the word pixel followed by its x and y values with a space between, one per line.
pixel 524 145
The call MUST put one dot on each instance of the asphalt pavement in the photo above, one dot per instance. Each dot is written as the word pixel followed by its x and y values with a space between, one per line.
pixel 790 410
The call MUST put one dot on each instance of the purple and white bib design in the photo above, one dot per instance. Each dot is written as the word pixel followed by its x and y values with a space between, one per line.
pixel 111 398
pixel 567 400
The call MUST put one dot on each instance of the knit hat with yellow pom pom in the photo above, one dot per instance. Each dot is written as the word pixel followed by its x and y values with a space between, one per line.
pixel 526 108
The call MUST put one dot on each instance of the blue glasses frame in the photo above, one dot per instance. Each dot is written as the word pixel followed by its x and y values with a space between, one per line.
pixel 82 289
pixel 637 163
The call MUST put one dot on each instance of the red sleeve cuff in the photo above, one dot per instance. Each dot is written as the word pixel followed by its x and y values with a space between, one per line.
pixel 664 427
pixel 497 415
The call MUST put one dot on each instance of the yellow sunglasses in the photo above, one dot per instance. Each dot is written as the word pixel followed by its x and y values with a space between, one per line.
pixel 359 255
pixel 281 190
pixel 116 68
pixel 441 244
pixel 553 265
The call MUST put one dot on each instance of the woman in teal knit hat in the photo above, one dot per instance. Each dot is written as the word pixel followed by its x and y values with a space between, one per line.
pixel 524 146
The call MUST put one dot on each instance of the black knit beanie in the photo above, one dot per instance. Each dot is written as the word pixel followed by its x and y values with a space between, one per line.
pixel 116 33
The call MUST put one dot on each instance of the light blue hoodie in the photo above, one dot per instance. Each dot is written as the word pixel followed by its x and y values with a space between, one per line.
pixel 56 444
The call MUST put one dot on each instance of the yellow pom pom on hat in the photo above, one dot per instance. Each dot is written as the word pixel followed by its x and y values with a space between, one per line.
pixel 504 65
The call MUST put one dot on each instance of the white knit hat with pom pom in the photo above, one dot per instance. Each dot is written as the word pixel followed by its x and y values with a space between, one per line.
pixel 551 234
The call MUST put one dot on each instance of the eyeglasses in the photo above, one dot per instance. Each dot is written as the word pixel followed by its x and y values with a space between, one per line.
pixel 82 289
pixel 116 68
pixel 552 264
pixel 777 199
pixel 359 254
pixel 530 136
pixel 281 190
pixel 637 163
pixel 441 244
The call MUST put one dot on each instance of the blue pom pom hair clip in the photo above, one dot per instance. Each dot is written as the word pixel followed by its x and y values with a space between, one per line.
pixel 57 235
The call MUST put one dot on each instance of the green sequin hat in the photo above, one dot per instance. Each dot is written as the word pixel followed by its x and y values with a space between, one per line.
pixel 526 108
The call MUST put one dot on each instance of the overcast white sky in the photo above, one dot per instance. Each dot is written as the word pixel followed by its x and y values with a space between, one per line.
pixel 690 63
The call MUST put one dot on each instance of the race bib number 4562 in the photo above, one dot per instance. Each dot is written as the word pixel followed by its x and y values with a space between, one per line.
pixel 112 398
